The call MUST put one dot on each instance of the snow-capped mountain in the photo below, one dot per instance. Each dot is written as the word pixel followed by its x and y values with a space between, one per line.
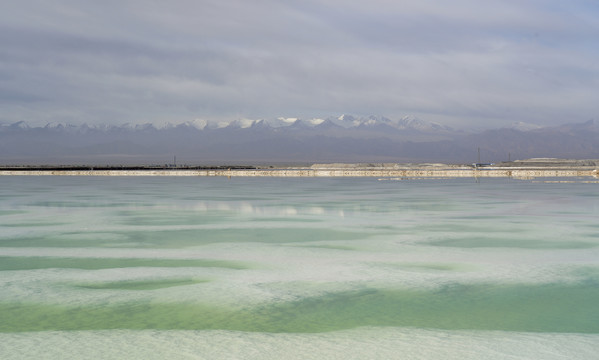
pixel 523 126
pixel 343 138
pixel 404 123
pixel 413 123
pixel 19 125
pixel 343 121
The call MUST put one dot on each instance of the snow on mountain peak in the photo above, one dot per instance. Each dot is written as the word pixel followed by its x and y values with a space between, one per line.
pixel 150 126
pixel 54 125
pixel 346 118
pixel 244 123
pixel 523 126
pixel 315 121
pixel 199 124
pixel 287 120
pixel 19 125
pixel 372 122
pixel 410 122
pixel 366 122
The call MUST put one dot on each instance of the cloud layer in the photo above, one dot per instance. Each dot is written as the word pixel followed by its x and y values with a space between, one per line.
pixel 464 62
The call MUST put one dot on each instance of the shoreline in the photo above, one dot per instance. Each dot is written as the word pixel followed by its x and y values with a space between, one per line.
pixel 526 169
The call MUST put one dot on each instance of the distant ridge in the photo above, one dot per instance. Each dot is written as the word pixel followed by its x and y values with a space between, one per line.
pixel 291 140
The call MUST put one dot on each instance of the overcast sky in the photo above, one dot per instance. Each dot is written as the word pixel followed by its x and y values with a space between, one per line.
pixel 461 62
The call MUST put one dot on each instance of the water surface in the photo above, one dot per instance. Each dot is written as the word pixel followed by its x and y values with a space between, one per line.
pixel 301 267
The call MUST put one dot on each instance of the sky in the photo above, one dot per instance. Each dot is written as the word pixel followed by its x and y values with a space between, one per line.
pixel 460 63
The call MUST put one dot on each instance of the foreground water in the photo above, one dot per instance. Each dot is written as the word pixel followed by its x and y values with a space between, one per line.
pixel 298 268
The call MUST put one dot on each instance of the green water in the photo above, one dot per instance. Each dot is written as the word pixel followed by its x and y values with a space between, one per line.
pixel 280 258
pixel 142 285
pixel 30 263
pixel 546 308
pixel 491 242
pixel 183 238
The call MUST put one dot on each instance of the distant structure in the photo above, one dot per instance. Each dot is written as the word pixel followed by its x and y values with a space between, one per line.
pixel 478 164
pixel 174 164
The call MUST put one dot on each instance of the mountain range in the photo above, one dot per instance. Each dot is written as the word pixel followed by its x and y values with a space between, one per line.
pixel 291 141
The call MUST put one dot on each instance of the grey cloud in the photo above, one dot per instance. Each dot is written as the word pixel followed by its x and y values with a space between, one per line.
pixel 131 61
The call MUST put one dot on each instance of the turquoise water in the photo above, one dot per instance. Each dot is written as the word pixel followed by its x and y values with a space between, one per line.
pixel 298 268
